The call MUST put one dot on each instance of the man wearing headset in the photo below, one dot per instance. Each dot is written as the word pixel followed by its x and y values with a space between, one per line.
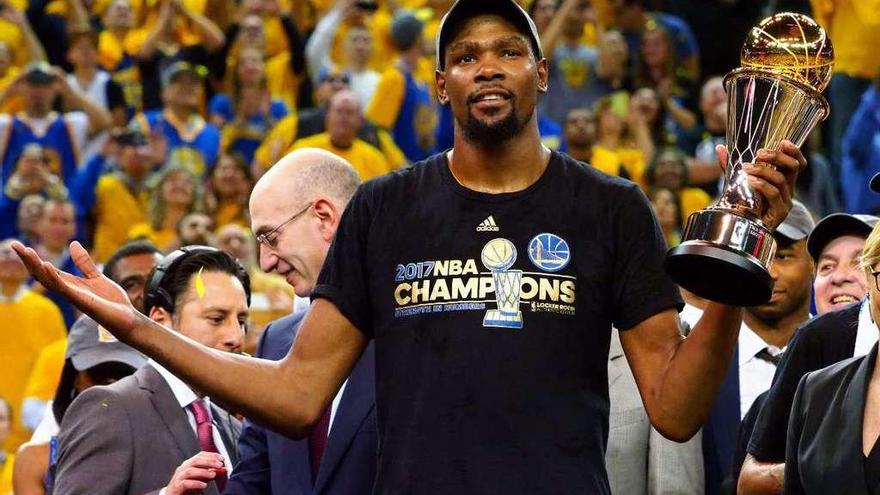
pixel 131 436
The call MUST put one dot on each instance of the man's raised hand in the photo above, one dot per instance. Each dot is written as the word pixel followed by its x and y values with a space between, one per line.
pixel 93 293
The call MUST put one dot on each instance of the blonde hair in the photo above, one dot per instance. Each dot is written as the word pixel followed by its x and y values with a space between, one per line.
pixel 871 251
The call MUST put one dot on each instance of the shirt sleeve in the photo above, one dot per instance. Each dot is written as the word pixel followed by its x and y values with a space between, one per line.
pixel 640 287
pixel 385 105
pixel 344 278
pixel 79 126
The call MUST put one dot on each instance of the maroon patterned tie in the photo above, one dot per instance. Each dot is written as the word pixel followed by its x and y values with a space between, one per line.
pixel 318 442
pixel 205 432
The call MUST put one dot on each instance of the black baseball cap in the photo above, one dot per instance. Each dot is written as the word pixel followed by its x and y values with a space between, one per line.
pixel 180 67
pixel 463 10
pixel 131 137
pixel 838 225
pixel 40 73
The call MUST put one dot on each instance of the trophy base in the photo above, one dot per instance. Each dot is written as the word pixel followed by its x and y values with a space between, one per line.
pixel 495 318
pixel 725 258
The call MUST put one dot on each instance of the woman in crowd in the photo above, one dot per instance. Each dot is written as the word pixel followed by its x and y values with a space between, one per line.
pixel 669 171
pixel 247 112
pixel 835 417
pixel 623 143
pixel 227 191
pixel 658 67
pixel 668 210
pixel 174 194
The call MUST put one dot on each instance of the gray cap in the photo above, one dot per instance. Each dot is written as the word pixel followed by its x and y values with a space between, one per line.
pixel 798 224
pixel 838 225
pixel 463 10
pixel 89 344
pixel 406 29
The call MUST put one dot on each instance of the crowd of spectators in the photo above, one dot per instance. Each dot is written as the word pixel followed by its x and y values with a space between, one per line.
pixel 152 119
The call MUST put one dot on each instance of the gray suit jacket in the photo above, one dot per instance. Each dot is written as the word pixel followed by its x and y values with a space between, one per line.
pixel 640 460
pixel 129 437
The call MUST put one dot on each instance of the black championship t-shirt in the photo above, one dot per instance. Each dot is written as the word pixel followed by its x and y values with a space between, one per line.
pixel 492 315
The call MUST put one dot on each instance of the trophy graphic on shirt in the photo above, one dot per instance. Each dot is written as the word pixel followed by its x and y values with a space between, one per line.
pixel 498 255
pixel 726 250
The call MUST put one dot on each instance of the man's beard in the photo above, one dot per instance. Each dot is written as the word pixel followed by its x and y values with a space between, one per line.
pixel 495 134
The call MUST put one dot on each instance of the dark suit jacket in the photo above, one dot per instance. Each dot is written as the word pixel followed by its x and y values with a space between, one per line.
pixel 720 433
pixel 274 464
pixel 129 437
pixel 824 447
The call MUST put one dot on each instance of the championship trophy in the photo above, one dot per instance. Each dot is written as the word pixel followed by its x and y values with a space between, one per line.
pixel 726 250
pixel 498 255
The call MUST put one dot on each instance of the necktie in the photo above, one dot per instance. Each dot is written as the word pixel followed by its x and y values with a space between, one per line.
pixel 765 355
pixel 205 432
pixel 318 442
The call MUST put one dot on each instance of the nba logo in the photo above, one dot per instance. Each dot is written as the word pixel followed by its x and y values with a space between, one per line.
pixel 498 255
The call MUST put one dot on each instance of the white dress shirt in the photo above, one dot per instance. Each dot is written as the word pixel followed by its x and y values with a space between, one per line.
pixel 866 333
pixel 755 374
pixel 185 396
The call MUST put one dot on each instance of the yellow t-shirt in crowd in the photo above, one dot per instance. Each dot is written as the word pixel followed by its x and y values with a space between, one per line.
pixel 14 103
pixel 610 161
pixel 282 136
pixel 367 160
pixel 388 147
pixel 37 323
pixel 379 25
pixel 277 142
pixel 384 108
pixel 854 27
pixel 46 372
pixel 228 213
pixel 282 83
pixel 117 210
pixel 162 238
pixel 12 35
pixel 692 200
pixel 6 475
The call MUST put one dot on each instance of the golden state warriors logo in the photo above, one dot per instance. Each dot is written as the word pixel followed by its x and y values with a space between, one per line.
pixel 549 252
pixel 498 255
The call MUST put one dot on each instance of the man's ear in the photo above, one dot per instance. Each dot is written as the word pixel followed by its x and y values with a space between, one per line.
pixel 329 215
pixel 440 79
pixel 160 315
pixel 543 74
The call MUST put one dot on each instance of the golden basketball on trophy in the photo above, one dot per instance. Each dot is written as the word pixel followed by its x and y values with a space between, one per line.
pixel 775 95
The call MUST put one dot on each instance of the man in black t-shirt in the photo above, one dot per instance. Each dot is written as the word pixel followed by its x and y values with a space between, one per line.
pixel 489 277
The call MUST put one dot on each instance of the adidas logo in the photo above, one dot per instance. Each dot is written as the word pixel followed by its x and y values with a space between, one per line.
pixel 488 225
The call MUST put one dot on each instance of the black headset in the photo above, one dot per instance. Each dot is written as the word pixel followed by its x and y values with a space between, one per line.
pixel 156 295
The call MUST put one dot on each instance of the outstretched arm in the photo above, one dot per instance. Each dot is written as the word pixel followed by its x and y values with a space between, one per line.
pixel 289 396
pixel 679 378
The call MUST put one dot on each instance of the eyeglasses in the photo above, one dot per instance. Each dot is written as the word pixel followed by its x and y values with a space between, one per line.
pixel 876 280
pixel 268 239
